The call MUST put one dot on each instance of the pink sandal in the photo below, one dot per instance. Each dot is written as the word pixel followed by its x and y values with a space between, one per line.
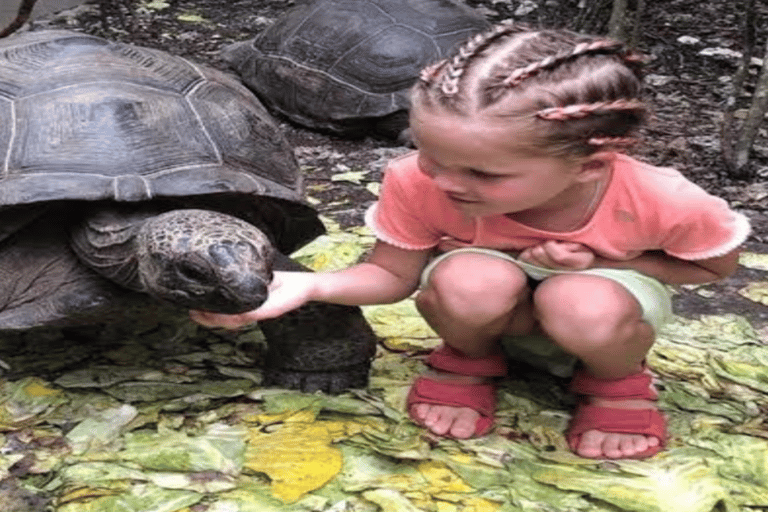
pixel 478 397
pixel 648 422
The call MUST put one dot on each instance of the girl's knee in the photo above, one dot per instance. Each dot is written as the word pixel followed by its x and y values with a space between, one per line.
pixel 587 309
pixel 471 281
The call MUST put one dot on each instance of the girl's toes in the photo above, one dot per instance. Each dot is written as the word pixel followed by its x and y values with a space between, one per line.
pixel 464 423
pixel 612 446
pixel 590 444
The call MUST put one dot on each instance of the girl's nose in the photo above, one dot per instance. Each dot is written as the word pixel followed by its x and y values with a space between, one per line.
pixel 447 181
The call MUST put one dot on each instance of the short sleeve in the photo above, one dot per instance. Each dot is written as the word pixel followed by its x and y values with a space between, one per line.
pixel 400 216
pixel 704 226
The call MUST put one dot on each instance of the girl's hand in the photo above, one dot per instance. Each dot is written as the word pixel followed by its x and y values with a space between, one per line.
pixel 287 291
pixel 559 255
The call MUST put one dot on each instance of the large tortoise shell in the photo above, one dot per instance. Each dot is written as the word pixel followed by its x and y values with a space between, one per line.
pixel 83 118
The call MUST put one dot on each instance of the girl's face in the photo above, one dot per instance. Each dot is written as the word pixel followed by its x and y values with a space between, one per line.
pixel 482 167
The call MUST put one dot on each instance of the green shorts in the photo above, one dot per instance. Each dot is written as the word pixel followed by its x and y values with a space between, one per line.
pixel 653 296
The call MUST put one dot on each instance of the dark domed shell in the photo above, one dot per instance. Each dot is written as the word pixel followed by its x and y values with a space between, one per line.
pixel 88 119
pixel 331 64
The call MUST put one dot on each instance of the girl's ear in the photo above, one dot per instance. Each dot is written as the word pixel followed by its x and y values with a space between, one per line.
pixel 596 166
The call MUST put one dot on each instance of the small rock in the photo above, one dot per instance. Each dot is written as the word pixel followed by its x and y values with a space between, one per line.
pixel 721 52
pixel 659 80
pixel 526 7
pixel 688 40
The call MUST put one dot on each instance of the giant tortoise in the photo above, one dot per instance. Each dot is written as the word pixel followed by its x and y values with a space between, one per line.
pixel 346 66
pixel 131 176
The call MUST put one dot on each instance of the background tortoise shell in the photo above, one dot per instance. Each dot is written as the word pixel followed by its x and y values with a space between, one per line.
pixel 346 65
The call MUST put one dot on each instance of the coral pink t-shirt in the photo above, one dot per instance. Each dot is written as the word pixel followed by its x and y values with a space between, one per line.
pixel 643 208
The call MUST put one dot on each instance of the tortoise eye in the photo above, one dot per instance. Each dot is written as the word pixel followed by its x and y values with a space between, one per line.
pixel 192 273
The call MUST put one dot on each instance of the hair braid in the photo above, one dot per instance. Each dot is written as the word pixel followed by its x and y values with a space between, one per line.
pixel 599 46
pixel 428 74
pixel 582 110
pixel 454 68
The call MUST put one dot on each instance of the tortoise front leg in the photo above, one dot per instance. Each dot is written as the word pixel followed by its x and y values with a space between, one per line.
pixel 319 346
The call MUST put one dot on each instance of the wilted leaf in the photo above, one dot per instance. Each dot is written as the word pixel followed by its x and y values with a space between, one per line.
pixel 147 391
pixel 139 498
pixel 655 486
pixel 220 448
pixel 742 463
pixel 191 18
pixel 754 260
pixel 101 430
pixel 374 188
pixel 248 497
pixel 282 401
pixel 101 376
pixel 756 292
pixel 154 5
pixel 26 402
pixel 351 176
pixel 391 501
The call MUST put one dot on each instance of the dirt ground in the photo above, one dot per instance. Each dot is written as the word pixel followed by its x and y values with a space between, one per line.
pixel 686 84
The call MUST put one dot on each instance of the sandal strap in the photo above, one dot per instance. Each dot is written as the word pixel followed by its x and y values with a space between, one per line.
pixel 478 397
pixel 637 386
pixel 453 361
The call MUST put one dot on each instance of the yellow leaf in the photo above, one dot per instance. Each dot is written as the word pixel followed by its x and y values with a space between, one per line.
pixel 442 479
pixel 298 457
pixel 81 494
pixel 398 344
pixel 399 320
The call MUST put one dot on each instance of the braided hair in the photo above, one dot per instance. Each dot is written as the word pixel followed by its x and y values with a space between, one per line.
pixel 577 93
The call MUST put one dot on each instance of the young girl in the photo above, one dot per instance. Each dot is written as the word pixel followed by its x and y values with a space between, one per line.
pixel 518 221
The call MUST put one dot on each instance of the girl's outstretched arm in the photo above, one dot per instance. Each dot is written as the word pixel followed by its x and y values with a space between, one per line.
pixel 388 275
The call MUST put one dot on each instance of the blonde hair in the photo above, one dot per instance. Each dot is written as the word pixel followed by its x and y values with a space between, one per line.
pixel 576 93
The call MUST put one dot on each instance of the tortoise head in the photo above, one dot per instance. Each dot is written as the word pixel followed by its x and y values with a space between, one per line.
pixel 202 259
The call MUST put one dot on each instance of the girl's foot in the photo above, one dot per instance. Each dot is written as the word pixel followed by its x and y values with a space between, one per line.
pixel 448 420
pixel 596 444
pixel 456 398
pixel 617 418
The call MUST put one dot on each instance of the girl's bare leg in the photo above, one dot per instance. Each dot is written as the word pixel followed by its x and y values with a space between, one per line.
pixel 470 301
pixel 599 322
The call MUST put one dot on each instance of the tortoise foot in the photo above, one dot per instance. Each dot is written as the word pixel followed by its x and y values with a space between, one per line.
pixel 332 382
pixel 319 347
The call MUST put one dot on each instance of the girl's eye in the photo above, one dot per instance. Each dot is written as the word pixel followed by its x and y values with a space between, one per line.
pixel 482 175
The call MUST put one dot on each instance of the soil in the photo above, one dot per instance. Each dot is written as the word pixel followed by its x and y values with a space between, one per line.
pixel 686 85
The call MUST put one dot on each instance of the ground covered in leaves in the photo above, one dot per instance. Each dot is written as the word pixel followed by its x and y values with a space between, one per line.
pixel 171 417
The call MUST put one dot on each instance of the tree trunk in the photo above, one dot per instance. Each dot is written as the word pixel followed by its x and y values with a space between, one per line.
pixel 617 25
pixel 634 39
pixel 736 141
pixel 23 14
pixel 755 116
